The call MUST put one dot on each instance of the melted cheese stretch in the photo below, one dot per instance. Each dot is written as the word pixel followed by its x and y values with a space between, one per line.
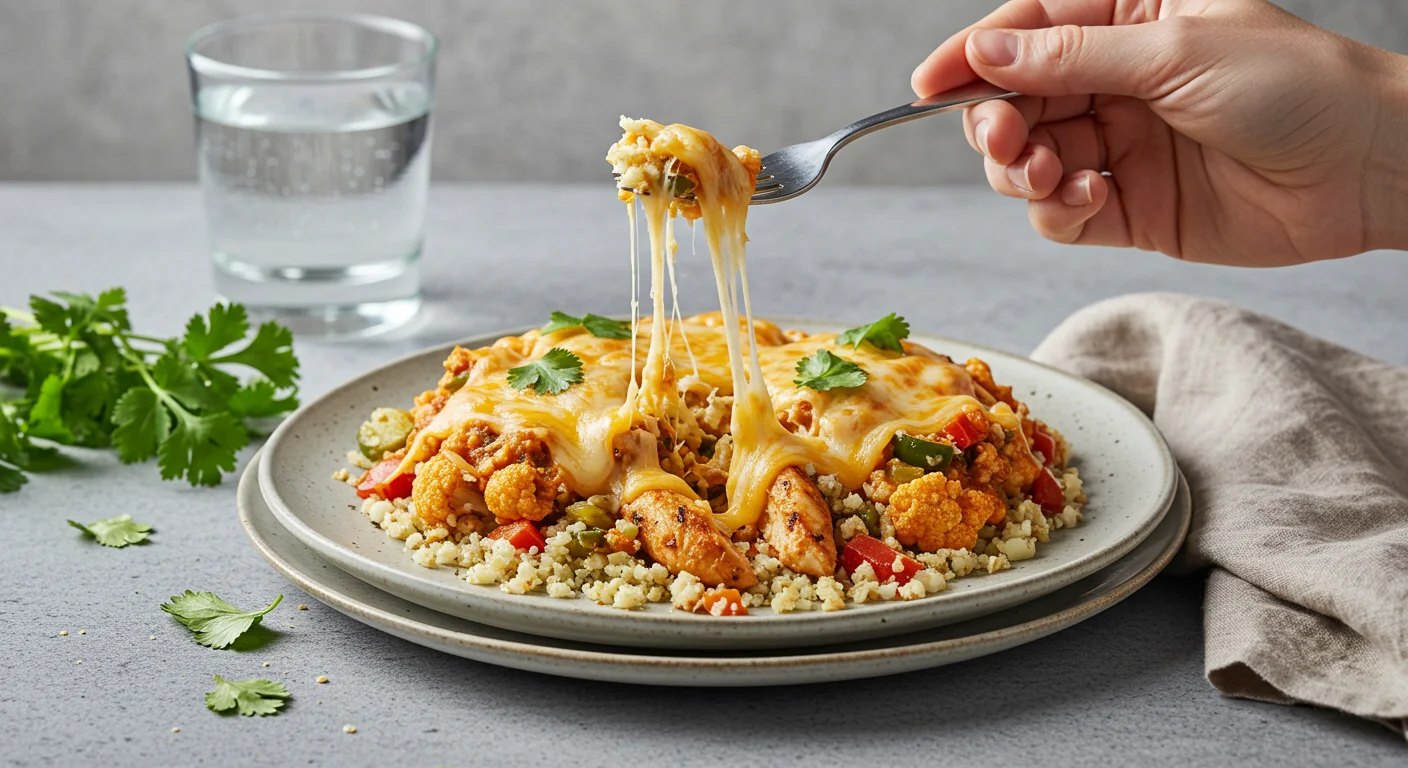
pixel 848 433
pixel 848 429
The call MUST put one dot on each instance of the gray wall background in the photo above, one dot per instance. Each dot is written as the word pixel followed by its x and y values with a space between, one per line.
pixel 531 89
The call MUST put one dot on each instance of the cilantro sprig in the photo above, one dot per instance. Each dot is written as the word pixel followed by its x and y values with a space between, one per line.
pixel 215 622
pixel 115 531
pixel 822 371
pixel 596 325
pixel 550 374
pixel 248 697
pixel 85 378
pixel 885 333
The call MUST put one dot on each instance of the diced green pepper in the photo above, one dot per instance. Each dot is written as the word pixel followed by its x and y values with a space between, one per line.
pixel 385 431
pixel 681 186
pixel 458 382
pixel 589 513
pixel 927 455
pixel 585 542
pixel 902 473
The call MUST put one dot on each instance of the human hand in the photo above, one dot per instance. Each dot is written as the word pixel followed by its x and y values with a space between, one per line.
pixel 1231 131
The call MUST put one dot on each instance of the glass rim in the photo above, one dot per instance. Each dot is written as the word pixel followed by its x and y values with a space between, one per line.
pixel 405 30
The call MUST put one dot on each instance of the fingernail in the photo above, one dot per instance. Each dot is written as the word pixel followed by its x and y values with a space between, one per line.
pixel 1019 175
pixel 980 134
pixel 994 48
pixel 1077 192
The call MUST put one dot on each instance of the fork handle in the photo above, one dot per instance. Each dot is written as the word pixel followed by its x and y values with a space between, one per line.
pixel 958 98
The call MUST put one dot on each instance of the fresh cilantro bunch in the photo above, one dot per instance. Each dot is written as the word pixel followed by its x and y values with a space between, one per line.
pixel 85 378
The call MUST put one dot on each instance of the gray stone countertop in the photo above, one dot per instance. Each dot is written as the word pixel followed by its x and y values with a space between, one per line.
pixel 1125 687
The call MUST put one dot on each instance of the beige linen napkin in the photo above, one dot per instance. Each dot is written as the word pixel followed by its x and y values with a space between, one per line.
pixel 1296 451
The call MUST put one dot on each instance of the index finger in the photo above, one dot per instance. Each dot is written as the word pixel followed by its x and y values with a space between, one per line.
pixel 947 67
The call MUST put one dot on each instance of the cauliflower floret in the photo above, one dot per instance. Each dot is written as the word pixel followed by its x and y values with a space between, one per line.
pixel 519 492
pixel 936 513
pixel 436 490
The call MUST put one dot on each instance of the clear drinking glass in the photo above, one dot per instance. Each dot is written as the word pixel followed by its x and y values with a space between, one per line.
pixel 313 138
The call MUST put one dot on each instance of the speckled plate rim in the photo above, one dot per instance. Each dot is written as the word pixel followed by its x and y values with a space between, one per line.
pixel 666 628
pixel 602 663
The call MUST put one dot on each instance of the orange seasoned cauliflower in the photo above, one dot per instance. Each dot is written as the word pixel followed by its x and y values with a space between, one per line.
pixel 519 492
pixel 439 489
pixel 935 513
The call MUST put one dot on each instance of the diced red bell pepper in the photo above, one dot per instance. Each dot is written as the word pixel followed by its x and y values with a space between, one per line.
pixel 521 534
pixel 1047 493
pixel 867 549
pixel 724 602
pixel 963 431
pixel 383 480
pixel 1045 444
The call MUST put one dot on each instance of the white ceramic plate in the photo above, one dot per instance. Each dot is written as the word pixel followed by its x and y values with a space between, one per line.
pixel 1128 472
pixel 905 653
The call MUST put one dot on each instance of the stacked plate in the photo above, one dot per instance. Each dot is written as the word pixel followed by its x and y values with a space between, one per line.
pixel 308 527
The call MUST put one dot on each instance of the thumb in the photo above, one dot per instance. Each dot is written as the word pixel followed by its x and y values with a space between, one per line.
pixel 1138 60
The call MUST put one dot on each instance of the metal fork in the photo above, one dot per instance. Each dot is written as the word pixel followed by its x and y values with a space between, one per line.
pixel 790 171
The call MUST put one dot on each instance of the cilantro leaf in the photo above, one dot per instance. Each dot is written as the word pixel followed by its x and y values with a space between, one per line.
pixel 550 374
pixel 270 352
pixel 260 399
pixel 115 531
pixel 46 415
pixel 560 320
pixel 142 425
pixel 228 324
pixel 201 448
pixel 596 325
pixel 11 478
pixel 215 622
pixel 884 333
pixel 248 697
pixel 822 371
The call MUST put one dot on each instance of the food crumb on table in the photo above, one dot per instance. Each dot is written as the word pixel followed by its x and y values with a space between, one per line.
pixel 82 631
pixel 302 607
pixel 266 663
pixel 175 730
pixel 322 679
pixel 63 633
pixel 349 728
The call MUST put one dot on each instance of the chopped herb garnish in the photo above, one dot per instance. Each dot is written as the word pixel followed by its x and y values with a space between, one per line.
pixel 596 325
pixel 550 374
pixel 822 371
pixel 115 531
pixel 215 622
pixel 884 333
pixel 249 697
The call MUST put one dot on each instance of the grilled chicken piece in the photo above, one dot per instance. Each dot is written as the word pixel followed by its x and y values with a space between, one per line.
pixel 797 524
pixel 682 537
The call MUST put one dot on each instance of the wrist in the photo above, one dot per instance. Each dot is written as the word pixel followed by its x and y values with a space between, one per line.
pixel 1384 194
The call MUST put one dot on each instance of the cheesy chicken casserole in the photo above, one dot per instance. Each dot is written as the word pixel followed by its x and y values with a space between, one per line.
pixel 715 462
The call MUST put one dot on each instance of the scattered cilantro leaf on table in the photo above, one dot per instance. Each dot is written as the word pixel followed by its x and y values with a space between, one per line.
pixel 248 697
pixel 885 333
pixel 86 378
pixel 215 622
pixel 550 374
pixel 596 325
pixel 115 531
pixel 822 371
